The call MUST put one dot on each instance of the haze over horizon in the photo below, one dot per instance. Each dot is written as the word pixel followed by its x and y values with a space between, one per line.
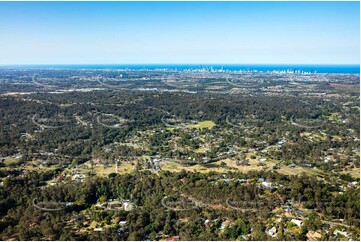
pixel 179 33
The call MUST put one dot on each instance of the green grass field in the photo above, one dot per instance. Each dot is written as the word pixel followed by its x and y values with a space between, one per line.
pixel 204 124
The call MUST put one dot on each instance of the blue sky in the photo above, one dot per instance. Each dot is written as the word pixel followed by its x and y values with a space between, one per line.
pixel 179 32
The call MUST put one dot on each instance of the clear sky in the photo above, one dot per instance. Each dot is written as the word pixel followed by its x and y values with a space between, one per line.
pixel 179 32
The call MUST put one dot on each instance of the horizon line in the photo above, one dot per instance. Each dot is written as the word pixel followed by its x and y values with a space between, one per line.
pixel 338 64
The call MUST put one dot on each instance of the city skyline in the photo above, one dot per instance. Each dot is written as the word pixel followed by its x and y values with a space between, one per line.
pixel 179 32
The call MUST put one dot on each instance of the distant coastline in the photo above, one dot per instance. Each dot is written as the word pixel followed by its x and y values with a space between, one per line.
pixel 308 68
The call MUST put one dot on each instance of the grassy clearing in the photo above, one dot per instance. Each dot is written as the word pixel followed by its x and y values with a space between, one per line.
pixel 201 150
pixel 173 166
pixel 136 146
pixel 346 87
pixel 204 124
pixel 123 168
pixel 313 136
pixel 354 172
pixel 299 170
pixel 11 161
pixel 231 165
pixel 334 117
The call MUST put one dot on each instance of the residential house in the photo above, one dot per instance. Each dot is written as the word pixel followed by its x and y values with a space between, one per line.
pixel 272 232
pixel 297 222
pixel 174 238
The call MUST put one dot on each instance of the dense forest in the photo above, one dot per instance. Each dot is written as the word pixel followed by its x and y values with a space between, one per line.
pixel 22 221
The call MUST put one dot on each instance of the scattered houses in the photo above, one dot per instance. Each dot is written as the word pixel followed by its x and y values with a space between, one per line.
pixel 116 204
